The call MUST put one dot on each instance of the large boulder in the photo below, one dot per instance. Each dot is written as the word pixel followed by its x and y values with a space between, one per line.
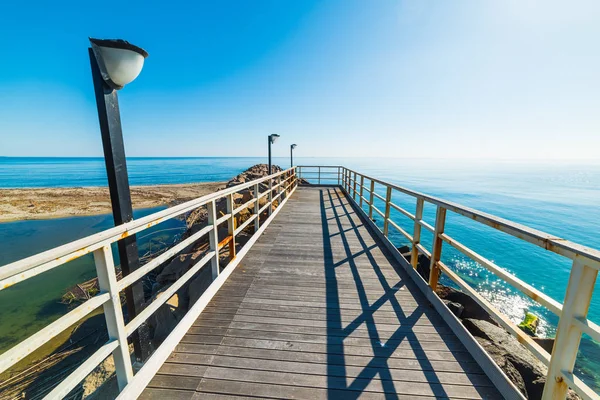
pixel 511 356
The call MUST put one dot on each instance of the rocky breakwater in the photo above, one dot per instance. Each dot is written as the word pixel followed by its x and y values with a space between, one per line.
pixel 165 319
pixel 518 363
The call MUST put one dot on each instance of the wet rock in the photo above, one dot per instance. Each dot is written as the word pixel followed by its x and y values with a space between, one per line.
pixel 471 309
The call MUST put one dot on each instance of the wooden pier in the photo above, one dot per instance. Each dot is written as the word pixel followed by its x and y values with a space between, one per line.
pixel 314 301
pixel 318 309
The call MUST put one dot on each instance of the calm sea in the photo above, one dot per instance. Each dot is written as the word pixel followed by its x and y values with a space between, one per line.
pixel 559 198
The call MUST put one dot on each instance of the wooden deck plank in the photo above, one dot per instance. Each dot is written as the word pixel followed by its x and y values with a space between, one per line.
pixel 318 310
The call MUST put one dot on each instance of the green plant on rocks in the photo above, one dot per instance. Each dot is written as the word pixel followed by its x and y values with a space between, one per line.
pixel 529 324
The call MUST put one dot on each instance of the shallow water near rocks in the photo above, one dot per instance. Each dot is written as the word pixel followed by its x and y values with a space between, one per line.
pixel 559 198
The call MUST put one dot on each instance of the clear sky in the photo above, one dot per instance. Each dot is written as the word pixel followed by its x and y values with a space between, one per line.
pixel 454 79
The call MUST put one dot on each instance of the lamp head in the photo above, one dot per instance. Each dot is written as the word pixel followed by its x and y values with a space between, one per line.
pixel 119 61
pixel 273 137
pixel 293 146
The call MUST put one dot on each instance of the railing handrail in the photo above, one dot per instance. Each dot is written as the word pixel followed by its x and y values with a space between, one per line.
pixel 572 312
pixel 542 239
pixel 60 255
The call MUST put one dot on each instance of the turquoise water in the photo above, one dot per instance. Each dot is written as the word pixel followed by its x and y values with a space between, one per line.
pixel 26 308
pixel 561 199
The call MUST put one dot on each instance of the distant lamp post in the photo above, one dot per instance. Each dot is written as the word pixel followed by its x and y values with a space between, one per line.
pixel 272 139
pixel 115 63
pixel 292 147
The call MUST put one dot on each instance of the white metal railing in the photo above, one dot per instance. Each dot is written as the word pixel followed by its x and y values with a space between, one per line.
pixel 327 175
pixel 572 312
pixel 280 186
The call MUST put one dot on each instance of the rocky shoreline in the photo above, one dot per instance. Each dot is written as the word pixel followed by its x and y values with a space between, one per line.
pixel 524 369
pixel 48 203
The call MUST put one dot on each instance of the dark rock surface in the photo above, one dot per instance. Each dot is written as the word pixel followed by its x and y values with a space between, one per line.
pixel 526 372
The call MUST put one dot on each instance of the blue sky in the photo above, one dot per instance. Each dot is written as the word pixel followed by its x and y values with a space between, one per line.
pixel 452 79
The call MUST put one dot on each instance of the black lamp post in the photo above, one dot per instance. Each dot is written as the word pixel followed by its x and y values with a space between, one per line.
pixel 115 63
pixel 292 147
pixel 272 139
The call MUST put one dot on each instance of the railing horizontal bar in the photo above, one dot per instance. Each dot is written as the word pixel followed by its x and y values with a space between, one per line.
pixel 245 224
pixel 423 250
pixel 82 371
pixel 321 173
pixel 402 231
pixel 223 219
pixel 588 327
pixel 378 211
pixel 263 194
pixel 583 390
pixel 320 166
pixel 247 204
pixel 261 210
pixel 378 196
pixel 521 336
pixel 35 341
pixel 139 273
pixel 539 238
pixel 425 225
pixel 365 200
pixel 162 297
pixel 403 211
pixel 78 248
pixel 526 289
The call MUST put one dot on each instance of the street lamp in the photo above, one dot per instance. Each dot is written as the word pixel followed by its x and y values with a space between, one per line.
pixel 292 147
pixel 272 139
pixel 115 63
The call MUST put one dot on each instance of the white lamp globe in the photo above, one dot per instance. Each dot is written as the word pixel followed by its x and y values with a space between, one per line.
pixel 119 61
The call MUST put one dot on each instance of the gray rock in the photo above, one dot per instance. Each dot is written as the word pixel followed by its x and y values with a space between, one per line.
pixel 163 321
pixel 546 343
pixel 456 308
pixel 472 309
pixel 510 355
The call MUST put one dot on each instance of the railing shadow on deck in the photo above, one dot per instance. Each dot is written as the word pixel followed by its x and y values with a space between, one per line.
pixel 383 349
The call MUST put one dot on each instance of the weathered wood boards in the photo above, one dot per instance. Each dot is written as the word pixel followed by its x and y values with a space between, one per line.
pixel 317 310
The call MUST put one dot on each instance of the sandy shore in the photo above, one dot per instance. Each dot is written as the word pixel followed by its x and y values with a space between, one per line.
pixel 45 203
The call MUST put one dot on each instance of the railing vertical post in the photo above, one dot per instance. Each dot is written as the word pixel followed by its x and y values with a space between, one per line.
pixel 256 207
pixel 414 253
pixel 354 190
pixel 270 196
pixel 576 305
pixel 338 176
pixel 371 195
pixel 436 252
pixel 213 238
pixel 319 175
pixel 362 185
pixel 231 226
pixel 279 190
pixel 115 324
pixel 386 219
